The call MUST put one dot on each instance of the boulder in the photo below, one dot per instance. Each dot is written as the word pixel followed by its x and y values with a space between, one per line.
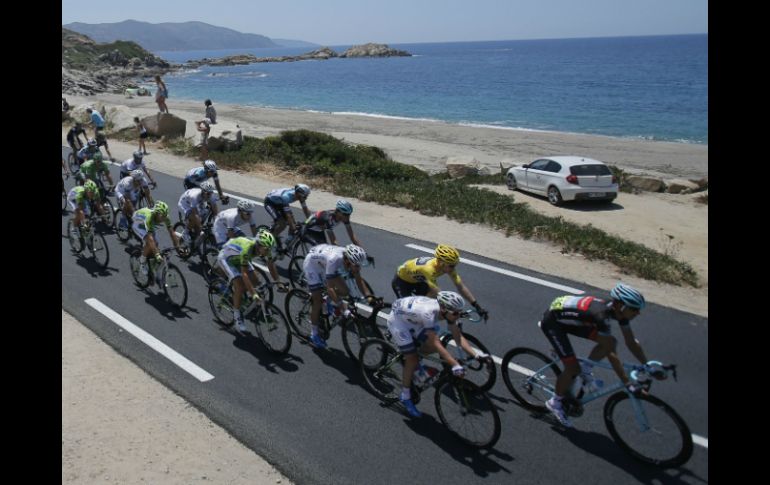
pixel 648 184
pixel 703 184
pixel 165 124
pixel 225 136
pixel 680 186
pixel 120 117
pixel 462 166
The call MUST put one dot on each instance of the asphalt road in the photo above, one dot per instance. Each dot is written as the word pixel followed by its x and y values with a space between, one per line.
pixel 309 414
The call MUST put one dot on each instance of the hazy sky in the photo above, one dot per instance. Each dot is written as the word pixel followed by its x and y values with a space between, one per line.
pixel 340 22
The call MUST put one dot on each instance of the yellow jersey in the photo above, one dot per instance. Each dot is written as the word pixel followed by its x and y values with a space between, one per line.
pixel 424 269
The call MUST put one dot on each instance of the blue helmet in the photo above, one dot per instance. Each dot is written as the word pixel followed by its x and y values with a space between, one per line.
pixel 628 296
pixel 344 206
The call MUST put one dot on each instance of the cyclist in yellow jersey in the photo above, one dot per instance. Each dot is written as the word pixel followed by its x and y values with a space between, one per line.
pixel 419 277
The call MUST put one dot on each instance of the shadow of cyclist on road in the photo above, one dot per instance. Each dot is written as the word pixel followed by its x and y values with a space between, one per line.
pixel 266 359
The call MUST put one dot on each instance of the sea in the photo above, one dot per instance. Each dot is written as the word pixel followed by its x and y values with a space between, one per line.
pixel 647 88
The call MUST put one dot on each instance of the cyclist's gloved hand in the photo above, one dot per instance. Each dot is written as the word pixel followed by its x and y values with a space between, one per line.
pixel 483 313
pixel 255 297
pixel 635 389
pixel 656 370
pixel 458 370
pixel 153 185
pixel 225 199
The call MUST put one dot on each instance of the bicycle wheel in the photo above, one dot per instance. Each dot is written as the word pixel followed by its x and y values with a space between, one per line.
pixel 175 286
pixel 298 305
pixel 184 248
pixel 209 257
pixel 382 367
pixel 142 280
pixel 220 304
pixel 483 374
pixel 530 376
pixel 64 202
pixel 109 213
pixel 273 329
pixel 297 273
pixel 467 411
pixel 72 163
pixel 356 332
pixel 122 226
pixel 666 440
pixel 73 235
pixel 99 250
pixel 263 285
pixel 302 247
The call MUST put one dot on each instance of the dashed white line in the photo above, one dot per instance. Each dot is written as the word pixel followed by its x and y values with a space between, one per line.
pixel 151 341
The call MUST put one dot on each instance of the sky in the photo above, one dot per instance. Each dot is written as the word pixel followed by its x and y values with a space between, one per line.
pixel 345 22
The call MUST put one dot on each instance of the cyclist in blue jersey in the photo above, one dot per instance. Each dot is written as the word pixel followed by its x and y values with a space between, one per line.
pixel 196 176
pixel 277 206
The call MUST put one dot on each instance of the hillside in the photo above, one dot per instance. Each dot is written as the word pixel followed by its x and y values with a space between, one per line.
pixel 172 36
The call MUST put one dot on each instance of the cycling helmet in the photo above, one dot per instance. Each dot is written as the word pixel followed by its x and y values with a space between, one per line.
pixel 207 188
pixel 98 157
pixel 355 254
pixel 266 239
pixel 92 142
pixel 210 165
pixel 245 206
pixel 160 208
pixel 137 175
pixel 90 186
pixel 447 254
pixel 302 189
pixel 450 300
pixel 138 154
pixel 344 206
pixel 628 296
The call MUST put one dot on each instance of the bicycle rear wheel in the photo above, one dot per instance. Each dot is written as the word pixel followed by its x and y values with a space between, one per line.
pixel 99 250
pixel 382 368
pixel 665 441
pixel 483 374
pixel 142 280
pixel 221 306
pixel 175 286
pixel 122 226
pixel 297 273
pixel 209 257
pixel 73 236
pixel 467 411
pixel 530 376
pixel 356 332
pixel 298 305
pixel 72 163
pixel 273 329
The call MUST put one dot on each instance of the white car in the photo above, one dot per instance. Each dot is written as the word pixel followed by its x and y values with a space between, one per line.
pixel 565 178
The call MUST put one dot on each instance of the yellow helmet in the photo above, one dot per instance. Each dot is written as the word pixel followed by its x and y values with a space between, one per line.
pixel 447 254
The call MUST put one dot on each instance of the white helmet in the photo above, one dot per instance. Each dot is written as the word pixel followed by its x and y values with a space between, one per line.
pixel 245 206
pixel 137 175
pixel 207 187
pixel 138 154
pixel 302 189
pixel 450 300
pixel 210 165
pixel 355 254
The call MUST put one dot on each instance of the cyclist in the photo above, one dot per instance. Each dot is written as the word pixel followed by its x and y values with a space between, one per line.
pixel 127 192
pixel 136 162
pixel 198 175
pixel 228 222
pixel 87 152
pixel 145 221
pixel 589 317
pixel 326 220
pixel 194 207
pixel 80 198
pixel 73 137
pixel 277 205
pixel 413 323
pixel 93 169
pixel 418 277
pixel 323 267
pixel 67 173
pixel 234 260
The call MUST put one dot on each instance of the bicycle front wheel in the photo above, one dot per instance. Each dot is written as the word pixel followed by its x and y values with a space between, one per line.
pixel 142 279
pixel 356 333
pixel 72 163
pixel 481 373
pixel 466 410
pixel 298 305
pixel 122 226
pixel 175 286
pixel 99 250
pixel 221 306
pixel 273 329
pixel 297 273
pixel 648 429
pixel 530 376
pixel 382 367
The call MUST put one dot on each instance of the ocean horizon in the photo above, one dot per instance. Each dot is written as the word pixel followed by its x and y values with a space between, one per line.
pixel 648 88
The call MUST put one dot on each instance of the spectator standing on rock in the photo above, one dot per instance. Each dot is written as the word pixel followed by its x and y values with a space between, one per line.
pixel 142 134
pixel 96 119
pixel 204 129
pixel 161 94
pixel 211 113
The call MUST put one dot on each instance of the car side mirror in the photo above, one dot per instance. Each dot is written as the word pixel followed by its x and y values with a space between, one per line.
pixel 526 165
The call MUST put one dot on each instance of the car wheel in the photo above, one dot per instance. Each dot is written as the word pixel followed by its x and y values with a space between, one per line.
pixel 554 196
pixel 511 182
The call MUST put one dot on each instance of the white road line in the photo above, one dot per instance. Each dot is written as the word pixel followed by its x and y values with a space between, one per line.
pixel 151 341
pixel 700 441
pixel 506 272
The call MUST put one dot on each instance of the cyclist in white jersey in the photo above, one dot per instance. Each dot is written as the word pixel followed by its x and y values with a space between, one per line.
pixel 414 320
pixel 228 222
pixel 323 268
pixel 136 162
pixel 127 191
pixel 194 208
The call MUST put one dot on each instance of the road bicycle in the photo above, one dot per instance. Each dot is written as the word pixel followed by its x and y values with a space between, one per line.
pixel 480 371
pixel 642 425
pixel 271 325
pixel 88 237
pixel 296 245
pixel 205 244
pixel 165 273
pixel 462 406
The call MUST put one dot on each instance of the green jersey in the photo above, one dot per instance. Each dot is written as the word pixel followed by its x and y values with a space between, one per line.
pixel 145 215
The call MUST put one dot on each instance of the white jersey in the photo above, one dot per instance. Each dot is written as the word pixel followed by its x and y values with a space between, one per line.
pixel 126 189
pixel 229 220
pixel 130 165
pixel 327 259
pixel 192 199
pixel 410 317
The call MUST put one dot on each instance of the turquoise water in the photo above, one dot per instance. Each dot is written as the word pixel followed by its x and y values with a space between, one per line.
pixel 653 88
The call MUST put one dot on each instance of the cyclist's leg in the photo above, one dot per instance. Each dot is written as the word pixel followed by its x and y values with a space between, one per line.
pixel 407 345
pixel 557 336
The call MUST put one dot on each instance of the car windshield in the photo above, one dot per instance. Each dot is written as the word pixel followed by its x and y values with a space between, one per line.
pixel 590 170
